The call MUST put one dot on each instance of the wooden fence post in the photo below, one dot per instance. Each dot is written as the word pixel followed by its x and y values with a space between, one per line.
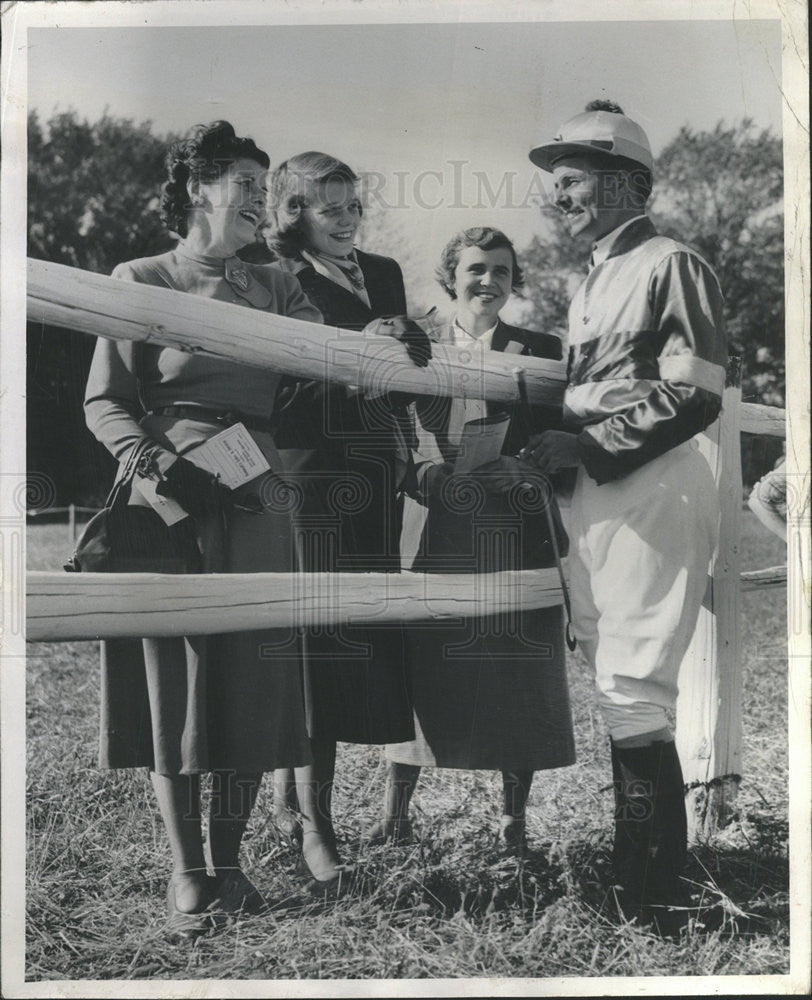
pixel 709 710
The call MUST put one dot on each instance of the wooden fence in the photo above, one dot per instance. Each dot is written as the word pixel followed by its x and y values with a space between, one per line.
pixel 72 606
pixel 71 510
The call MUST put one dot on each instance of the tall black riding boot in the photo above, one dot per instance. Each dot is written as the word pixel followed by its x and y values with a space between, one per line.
pixel 651 831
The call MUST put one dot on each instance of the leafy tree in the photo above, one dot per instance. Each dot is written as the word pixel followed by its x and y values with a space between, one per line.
pixel 92 202
pixel 93 191
pixel 722 192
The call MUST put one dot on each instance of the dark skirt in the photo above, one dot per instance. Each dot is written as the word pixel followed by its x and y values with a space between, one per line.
pixel 227 701
pixel 349 519
pixel 491 691
pixel 356 686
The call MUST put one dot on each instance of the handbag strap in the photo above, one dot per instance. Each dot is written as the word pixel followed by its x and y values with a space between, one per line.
pixel 128 470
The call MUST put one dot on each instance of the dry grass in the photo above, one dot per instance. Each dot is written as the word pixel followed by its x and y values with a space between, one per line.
pixel 444 907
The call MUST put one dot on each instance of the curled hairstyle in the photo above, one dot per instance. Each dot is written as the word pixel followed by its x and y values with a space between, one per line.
pixel 286 197
pixel 484 237
pixel 202 156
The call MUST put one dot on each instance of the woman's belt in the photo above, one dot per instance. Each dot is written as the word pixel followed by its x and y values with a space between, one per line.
pixel 227 418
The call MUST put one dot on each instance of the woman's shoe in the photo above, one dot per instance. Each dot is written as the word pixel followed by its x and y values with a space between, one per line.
pixel 236 894
pixel 320 855
pixel 188 926
pixel 330 876
pixel 389 831
pixel 511 840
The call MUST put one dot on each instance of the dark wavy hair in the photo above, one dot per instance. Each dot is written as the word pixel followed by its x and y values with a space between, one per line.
pixel 202 156
pixel 286 196
pixel 484 237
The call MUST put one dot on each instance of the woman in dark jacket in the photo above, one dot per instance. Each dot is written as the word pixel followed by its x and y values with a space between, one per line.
pixel 352 452
pixel 182 707
pixel 489 692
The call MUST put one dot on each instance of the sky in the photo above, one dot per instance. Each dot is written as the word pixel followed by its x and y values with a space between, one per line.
pixel 439 117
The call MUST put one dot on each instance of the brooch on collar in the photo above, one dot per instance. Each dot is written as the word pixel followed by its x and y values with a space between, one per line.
pixel 240 278
pixel 246 285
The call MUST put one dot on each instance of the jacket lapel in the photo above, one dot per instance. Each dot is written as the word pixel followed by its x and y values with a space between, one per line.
pixel 383 297
pixel 503 342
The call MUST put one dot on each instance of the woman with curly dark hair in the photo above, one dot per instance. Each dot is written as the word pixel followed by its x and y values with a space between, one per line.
pixel 228 704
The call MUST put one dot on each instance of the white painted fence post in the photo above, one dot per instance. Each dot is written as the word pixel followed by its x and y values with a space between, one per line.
pixel 709 708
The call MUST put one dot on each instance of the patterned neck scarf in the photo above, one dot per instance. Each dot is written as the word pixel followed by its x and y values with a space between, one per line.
pixel 344 271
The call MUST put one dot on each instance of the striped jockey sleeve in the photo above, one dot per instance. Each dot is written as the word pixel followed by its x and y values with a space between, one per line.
pixel 686 306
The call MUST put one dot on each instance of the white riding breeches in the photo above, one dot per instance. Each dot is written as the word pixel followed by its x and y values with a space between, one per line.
pixel 640 549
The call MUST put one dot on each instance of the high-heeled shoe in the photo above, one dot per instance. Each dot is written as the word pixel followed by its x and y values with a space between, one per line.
pixel 511 840
pixel 397 832
pixel 185 926
pixel 236 894
pixel 330 876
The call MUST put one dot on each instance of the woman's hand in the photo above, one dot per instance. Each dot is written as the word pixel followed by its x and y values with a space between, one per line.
pixel 551 451
pixel 197 491
pixel 413 337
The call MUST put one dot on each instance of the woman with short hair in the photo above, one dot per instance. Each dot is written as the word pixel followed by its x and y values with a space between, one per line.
pixel 355 462
pixel 488 692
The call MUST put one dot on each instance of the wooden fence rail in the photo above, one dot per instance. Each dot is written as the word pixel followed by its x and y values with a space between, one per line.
pixel 124 310
pixel 759 419
pixel 84 606
pixel 763 579
pixel 63 606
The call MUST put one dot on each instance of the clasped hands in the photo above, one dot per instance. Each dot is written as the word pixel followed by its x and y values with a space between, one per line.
pixel 546 453
pixel 409 332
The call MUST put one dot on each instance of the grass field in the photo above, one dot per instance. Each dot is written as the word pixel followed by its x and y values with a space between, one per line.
pixel 443 907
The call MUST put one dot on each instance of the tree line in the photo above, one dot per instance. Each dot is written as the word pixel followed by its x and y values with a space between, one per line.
pixel 93 202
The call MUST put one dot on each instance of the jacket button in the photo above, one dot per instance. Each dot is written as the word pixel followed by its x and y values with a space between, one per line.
pixel 586 319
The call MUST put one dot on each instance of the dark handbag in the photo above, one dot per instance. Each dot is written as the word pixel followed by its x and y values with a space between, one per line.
pixel 134 539
pixel 469 529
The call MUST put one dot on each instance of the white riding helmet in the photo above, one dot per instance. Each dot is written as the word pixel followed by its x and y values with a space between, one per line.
pixel 596 132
